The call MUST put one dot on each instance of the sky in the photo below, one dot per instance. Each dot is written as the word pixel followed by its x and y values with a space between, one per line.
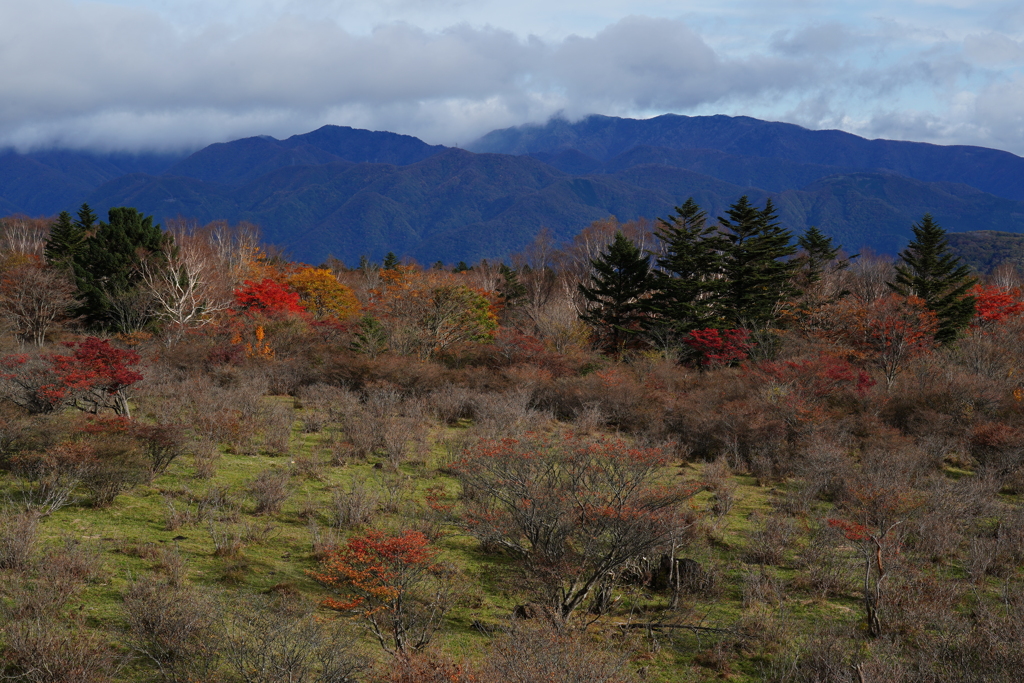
pixel 174 75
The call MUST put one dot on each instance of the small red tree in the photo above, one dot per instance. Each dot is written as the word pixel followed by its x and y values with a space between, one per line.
pixel 268 297
pixel 993 304
pixel 393 582
pixel 719 347
pixel 97 375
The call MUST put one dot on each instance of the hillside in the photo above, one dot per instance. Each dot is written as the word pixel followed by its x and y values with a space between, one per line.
pixel 348 193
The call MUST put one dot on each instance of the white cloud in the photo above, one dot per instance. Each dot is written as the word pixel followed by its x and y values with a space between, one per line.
pixel 182 73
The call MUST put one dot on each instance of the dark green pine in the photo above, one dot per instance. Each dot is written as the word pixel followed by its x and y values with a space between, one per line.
pixel 757 274
pixel 818 254
pixel 930 271
pixel 107 265
pixel 619 281
pixel 687 285
pixel 64 241
pixel 390 261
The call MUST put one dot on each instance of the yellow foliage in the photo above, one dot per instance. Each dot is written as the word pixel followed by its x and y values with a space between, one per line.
pixel 323 296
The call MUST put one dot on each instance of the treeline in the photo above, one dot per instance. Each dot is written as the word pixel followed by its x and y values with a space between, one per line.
pixel 662 451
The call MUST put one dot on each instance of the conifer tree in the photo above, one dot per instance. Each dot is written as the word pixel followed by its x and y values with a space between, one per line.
pixel 819 254
pixel 619 281
pixel 687 285
pixel 67 235
pixel 390 261
pixel 757 276
pixel 929 270
pixel 106 267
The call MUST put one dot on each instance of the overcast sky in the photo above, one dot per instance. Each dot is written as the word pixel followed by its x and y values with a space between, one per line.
pixel 177 74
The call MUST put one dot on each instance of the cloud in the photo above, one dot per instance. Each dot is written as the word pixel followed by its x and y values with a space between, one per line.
pixel 127 76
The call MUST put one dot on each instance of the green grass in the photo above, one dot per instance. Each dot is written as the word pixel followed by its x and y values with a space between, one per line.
pixel 133 537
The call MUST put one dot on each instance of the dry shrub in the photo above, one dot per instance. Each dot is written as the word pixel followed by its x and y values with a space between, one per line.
pixel 761 586
pixel 205 458
pixel 273 639
pixel 825 567
pixel 270 489
pixel 538 654
pixel 451 403
pixel 177 629
pixel 354 506
pixel 718 479
pixel 504 414
pixel 19 533
pixel 119 463
pixel 768 543
pixel 227 541
pixel 44 650
pixel 826 658
pixel 322 541
pixel 276 425
pixel 432 667
pixel 308 467
pixel 162 443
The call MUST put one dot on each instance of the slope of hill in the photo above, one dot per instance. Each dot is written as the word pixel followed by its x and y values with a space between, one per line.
pixel 349 192
pixel 983 250
pixel 604 137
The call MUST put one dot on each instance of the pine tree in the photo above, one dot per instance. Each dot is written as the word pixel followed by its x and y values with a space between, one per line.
pixel 819 254
pixel 106 267
pixel 64 240
pixel 687 285
pixel 390 261
pixel 619 281
pixel 757 276
pixel 929 270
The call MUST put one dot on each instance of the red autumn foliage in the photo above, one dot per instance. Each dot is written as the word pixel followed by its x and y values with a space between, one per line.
pixel 95 376
pixel 821 376
pixel 382 578
pixel 719 347
pixel 993 304
pixel 268 297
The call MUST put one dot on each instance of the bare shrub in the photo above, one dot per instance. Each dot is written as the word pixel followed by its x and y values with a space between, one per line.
pixel 257 533
pixel 535 654
pixel 162 444
pixel 18 536
pixel 227 541
pixel 270 489
pixel 177 629
pixel 278 639
pixel 718 478
pixel 504 414
pixel 761 586
pixel 394 440
pixel 276 425
pixel 322 541
pixel 205 458
pixel 43 650
pixel 452 403
pixel 825 567
pixel 354 506
pixel 119 464
pixel 768 543
pixel 395 489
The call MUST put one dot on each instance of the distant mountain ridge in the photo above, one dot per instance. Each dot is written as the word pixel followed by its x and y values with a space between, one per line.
pixel 349 192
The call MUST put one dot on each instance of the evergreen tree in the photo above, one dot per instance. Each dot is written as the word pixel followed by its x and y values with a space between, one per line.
pixel 64 240
pixel 929 270
pixel 390 261
pixel 687 284
pixel 106 268
pixel 819 254
pixel 757 276
pixel 619 281
pixel 67 236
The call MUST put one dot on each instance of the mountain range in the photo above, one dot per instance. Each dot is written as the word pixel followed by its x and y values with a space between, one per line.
pixel 347 192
